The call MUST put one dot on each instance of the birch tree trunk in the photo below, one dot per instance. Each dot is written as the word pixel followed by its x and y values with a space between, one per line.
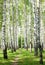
pixel 31 25
pixel 3 31
pixel 38 35
pixel 13 20
pixel 35 29
pixel 16 28
pixel 11 27
pixel 8 22
pixel 26 24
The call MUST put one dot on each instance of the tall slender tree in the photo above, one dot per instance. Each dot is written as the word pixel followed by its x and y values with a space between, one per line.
pixel 35 28
pixel 3 31
pixel 16 26
pixel 25 14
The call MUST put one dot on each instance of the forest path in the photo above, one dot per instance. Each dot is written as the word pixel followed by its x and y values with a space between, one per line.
pixel 15 62
pixel 17 58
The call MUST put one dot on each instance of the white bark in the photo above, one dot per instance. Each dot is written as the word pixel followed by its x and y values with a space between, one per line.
pixel 3 25
pixel 26 26
pixel 16 33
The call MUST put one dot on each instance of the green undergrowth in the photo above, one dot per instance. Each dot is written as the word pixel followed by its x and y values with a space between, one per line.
pixel 25 57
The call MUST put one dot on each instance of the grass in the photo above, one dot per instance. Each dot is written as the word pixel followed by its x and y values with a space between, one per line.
pixel 10 59
pixel 25 58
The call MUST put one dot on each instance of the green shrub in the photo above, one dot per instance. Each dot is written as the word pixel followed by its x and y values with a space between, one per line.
pixel 21 42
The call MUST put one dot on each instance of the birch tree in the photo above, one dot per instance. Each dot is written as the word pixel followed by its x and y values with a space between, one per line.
pixel 16 26
pixel 4 46
pixel 35 28
pixel 25 14
pixel 8 23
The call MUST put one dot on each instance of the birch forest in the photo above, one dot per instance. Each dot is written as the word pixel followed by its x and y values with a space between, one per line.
pixel 22 32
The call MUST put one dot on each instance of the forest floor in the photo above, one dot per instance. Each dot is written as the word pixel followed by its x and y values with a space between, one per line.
pixel 21 57
pixel 15 62
pixel 26 58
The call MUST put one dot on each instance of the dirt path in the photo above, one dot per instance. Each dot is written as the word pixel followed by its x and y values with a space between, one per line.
pixel 15 62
